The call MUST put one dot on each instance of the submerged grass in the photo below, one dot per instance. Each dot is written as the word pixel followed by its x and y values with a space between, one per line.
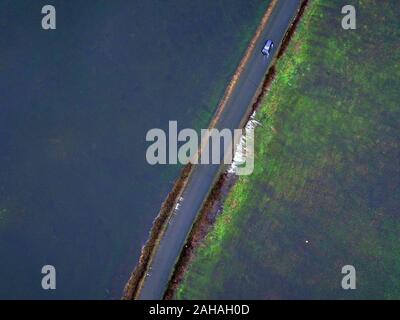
pixel 325 191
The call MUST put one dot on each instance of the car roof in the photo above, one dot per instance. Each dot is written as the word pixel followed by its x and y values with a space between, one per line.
pixel 268 44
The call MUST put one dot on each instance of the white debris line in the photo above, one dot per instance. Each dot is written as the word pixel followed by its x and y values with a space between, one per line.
pixel 178 204
pixel 242 152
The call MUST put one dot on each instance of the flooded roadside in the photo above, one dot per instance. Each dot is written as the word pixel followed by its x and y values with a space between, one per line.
pixel 214 203
pixel 168 207
pixel 142 270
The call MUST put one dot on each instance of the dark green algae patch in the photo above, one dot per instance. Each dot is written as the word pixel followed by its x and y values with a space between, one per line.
pixel 325 191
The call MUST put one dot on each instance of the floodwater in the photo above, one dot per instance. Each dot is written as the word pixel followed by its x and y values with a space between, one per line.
pixel 76 191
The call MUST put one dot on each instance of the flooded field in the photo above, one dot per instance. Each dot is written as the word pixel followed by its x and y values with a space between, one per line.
pixel 76 191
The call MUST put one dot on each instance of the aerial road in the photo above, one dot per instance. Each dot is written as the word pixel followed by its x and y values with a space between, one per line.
pixel 236 107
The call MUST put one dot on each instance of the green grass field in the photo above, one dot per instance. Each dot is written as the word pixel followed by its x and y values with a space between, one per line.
pixel 325 192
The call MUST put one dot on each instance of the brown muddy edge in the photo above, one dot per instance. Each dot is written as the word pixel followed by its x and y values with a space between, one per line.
pixel 214 202
pixel 132 288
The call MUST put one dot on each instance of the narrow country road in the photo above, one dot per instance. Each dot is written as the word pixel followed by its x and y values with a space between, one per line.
pixel 203 177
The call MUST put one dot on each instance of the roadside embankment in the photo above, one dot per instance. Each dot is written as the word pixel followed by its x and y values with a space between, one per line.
pixel 135 282
pixel 214 203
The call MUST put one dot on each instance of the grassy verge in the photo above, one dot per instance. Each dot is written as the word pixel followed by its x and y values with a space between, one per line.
pixel 325 191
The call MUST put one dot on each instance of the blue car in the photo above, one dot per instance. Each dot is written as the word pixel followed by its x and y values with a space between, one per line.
pixel 267 48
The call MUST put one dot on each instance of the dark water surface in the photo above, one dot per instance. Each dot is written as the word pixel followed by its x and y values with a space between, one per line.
pixel 75 105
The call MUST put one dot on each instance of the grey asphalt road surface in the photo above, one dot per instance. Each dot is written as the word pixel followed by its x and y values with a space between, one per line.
pixel 203 177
